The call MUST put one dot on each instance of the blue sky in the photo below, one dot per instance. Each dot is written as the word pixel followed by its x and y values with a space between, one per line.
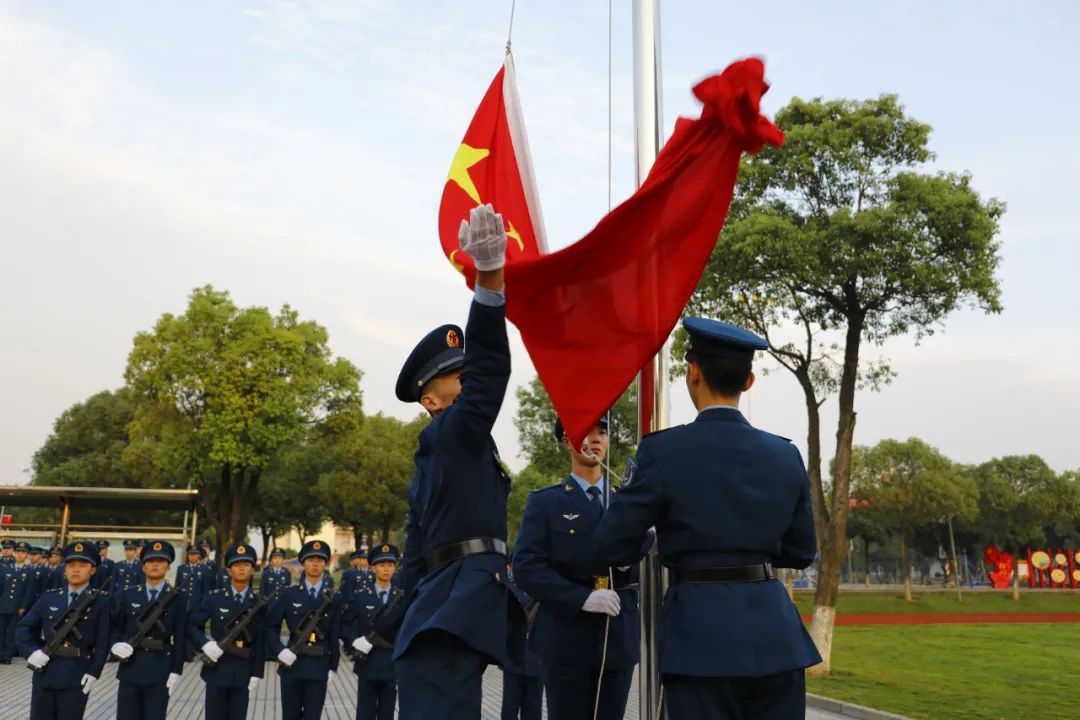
pixel 295 152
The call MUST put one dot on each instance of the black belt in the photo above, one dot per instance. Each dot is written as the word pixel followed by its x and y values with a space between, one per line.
pixel 455 551
pixel 600 582
pixel 726 574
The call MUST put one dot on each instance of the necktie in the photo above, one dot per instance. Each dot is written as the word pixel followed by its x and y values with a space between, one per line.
pixel 74 598
pixel 239 599
pixel 312 593
pixel 382 596
pixel 595 503
pixel 153 595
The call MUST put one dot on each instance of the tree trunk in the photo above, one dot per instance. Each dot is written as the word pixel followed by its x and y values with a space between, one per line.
pixel 358 538
pixel 866 559
pixel 905 568
pixel 267 535
pixel 1016 580
pixel 834 542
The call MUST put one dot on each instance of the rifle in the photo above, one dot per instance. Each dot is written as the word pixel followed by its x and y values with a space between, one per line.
pixel 149 620
pixel 307 631
pixel 373 637
pixel 65 625
pixel 238 625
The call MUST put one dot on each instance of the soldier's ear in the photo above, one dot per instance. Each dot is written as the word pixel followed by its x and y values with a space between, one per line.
pixel 749 381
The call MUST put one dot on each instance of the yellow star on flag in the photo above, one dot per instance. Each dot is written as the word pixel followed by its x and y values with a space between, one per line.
pixel 465 158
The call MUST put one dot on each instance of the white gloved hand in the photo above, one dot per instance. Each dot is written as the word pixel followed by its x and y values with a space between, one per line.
pixel 253 683
pixel 122 650
pixel 87 683
pixel 286 657
pixel 212 650
pixel 170 684
pixel 605 602
pixel 330 676
pixel 362 646
pixel 38 659
pixel 484 238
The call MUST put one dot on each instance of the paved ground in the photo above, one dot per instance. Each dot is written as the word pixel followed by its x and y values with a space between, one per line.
pixel 187 700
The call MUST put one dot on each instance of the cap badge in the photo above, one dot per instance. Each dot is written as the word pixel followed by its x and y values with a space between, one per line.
pixel 241 550
pixel 316 545
pixel 157 546
pixel 452 339
pixel 78 547
pixel 386 548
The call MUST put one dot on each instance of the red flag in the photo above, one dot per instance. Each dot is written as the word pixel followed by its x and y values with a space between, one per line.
pixel 492 165
pixel 593 313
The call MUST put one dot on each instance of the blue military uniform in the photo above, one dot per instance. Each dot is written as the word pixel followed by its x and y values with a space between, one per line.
pixel 190 581
pixel 127 573
pixel 105 565
pixel 376 681
pixel 523 691
pixel 303 683
pixel 57 692
pixel 56 572
pixel 14 582
pixel 729 502
pixel 355 576
pixel 556 563
pixel 6 548
pixel 273 580
pixel 143 694
pixel 461 613
pixel 39 572
pixel 228 679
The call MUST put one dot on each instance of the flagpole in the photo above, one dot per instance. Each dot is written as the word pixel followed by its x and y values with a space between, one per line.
pixel 652 381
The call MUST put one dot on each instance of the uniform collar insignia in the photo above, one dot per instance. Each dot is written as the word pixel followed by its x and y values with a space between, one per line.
pixel 568 487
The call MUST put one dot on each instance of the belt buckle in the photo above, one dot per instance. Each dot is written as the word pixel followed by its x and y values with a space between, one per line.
pixel 313 638
pixel 238 643
pixel 601 582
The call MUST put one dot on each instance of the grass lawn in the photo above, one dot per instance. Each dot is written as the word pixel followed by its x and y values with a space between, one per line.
pixel 975 672
pixel 945 602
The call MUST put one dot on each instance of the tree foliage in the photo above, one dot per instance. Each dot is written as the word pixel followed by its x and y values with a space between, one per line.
pixel 839 239
pixel 222 389
pixel 1019 496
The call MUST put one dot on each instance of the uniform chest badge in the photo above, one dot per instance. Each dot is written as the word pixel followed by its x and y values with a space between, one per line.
pixel 571 516
pixel 298 605
pixel 136 605
pixel 370 607
pixel 52 609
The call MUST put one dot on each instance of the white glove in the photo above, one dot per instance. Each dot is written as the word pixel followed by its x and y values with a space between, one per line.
pixel 286 657
pixel 170 684
pixel 38 659
pixel 362 646
pixel 212 650
pixel 330 676
pixel 122 650
pixel 87 683
pixel 252 684
pixel 605 602
pixel 484 237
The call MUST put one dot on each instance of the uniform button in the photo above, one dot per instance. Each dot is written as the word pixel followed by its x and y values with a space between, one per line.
pixel 571 531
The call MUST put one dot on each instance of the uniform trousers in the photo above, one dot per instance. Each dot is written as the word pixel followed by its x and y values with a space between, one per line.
pixel 302 699
pixel 440 677
pixel 67 704
pixel 142 702
pixel 226 703
pixel 522 696
pixel 774 697
pixel 375 699
pixel 571 692
pixel 8 621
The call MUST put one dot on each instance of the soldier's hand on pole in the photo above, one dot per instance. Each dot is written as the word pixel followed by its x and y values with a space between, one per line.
pixel 38 659
pixel 122 650
pixel 213 651
pixel 603 602
pixel 483 237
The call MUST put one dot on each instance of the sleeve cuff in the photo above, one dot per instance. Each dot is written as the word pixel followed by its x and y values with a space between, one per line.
pixel 491 298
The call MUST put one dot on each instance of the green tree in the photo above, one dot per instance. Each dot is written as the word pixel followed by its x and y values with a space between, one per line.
pixel 1019 496
pixel 535 423
pixel 838 236
pixel 86 449
pixel 912 486
pixel 524 482
pixel 223 389
pixel 289 484
pixel 368 488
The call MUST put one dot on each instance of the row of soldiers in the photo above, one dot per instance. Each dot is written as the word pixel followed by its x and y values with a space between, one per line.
pixel 152 628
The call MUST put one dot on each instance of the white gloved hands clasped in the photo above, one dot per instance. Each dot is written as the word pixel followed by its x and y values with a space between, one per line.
pixel 286 657
pixel 38 659
pixel 122 650
pixel 212 650
pixel 605 602
pixel 330 676
pixel 171 682
pixel 484 238
pixel 87 683
pixel 253 683
pixel 362 646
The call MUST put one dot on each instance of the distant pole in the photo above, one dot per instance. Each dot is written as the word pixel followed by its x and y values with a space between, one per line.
pixel 955 566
